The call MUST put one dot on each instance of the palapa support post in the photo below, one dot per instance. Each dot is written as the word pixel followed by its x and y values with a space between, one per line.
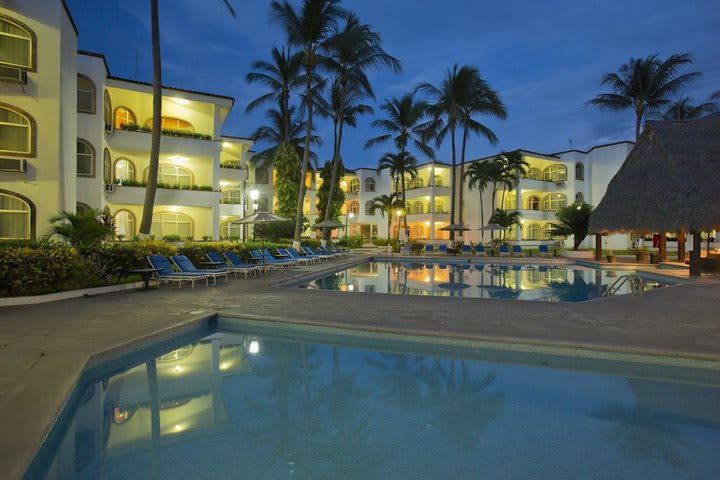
pixel 695 255
pixel 598 247
pixel 662 247
pixel 681 246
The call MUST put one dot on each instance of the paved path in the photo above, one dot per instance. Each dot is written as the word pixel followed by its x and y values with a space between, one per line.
pixel 44 348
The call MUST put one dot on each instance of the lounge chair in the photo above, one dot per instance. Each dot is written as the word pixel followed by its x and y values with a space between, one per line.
pixel 297 258
pixel 167 274
pixel 236 261
pixel 320 252
pixel 442 250
pixel 335 249
pixel 257 256
pixel 245 269
pixel 480 251
pixel 544 251
pixel 186 266
pixel 467 250
pixel 517 251
pixel 284 259
pixel 406 250
pixel 333 252
pixel 429 249
pixel 310 252
pixel 503 251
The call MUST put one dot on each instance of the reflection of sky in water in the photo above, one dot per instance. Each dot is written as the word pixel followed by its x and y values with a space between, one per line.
pixel 514 282
pixel 304 410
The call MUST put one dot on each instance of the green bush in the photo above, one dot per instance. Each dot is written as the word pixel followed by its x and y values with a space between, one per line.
pixel 118 258
pixel 381 242
pixel 416 246
pixel 50 268
pixel 353 241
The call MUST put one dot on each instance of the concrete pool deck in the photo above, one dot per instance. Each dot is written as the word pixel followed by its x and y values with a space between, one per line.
pixel 44 348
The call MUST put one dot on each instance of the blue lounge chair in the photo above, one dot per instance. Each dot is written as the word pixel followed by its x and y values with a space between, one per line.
pixel 270 262
pixel 544 251
pixel 236 261
pixel 319 252
pixel 270 258
pixel 503 251
pixel 517 251
pixel 406 250
pixel 186 266
pixel 310 254
pixel 442 250
pixel 480 251
pixel 467 250
pixel 297 258
pixel 219 259
pixel 167 274
pixel 327 251
pixel 429 249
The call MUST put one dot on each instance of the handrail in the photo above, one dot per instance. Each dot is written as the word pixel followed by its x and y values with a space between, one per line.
pixel 637 285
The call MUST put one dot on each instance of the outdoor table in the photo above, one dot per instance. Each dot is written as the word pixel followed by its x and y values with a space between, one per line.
pixel 145 275
pixel 452 251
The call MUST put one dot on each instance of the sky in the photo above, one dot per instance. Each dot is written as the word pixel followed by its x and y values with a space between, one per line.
pixel 545 59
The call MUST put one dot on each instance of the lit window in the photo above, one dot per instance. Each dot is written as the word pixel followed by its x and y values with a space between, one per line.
pixel 354 185
pixel 554 202
pixel 169 123
pixel 107 166
pixel 438 181
pixel 354 208
pixel 15 132
pixel 85 94
pixel 418 208
pixel 547 231
pixel 123 116
pixel 124 170
pixel 369 184
pixel 416 182
pixel 85 159
pixel 171 223
pixel 231 196
pixel 125 224
pixel 439 206
pixel 509 202
pixel 16 45
pixel 230 231
pixel 579 171
pixel 533 231
pixel 369 205
pixel 14 217
pixel 555 173
pixel 174 175
pixel 533 202
pixel 107 110
pixel 533 173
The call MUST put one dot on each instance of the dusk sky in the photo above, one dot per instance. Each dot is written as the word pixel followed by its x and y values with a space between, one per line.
pixel 544 58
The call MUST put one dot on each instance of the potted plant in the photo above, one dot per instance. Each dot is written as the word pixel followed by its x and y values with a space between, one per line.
pixel 642 255
pixel 611 257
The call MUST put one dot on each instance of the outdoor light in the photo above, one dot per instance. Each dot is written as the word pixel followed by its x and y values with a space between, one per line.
pixel 351 287
pixel 178 369
pixel 254 347
pixel 254 195
pixel 399 213
pixel 351 215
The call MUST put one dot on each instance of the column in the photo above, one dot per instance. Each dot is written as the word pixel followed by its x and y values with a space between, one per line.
pixel 518 206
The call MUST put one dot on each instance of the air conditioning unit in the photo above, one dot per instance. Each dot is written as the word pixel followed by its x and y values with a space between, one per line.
pixel 560 184
pixel 108 128
pixel 109 188
pixel 13 164
pixel 13 75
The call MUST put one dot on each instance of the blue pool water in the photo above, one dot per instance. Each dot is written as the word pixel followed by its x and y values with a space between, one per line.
pixel 563 283
pixel 272 403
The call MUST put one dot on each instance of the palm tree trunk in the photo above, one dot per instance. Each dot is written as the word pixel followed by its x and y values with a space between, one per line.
pixel 453 179
pixel 146 222
pixel 638 122
pixel 482 215
pixel 404 207
pixel 336 154
pixel 306 153
pixel 462 177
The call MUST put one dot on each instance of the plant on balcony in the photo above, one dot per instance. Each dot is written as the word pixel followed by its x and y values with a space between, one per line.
pixel 136 183
pixel 134 127
pixel 232 165
pixel 573 220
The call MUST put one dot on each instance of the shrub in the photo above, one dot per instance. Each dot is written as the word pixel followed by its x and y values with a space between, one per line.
pixel 353 241
pixel 49 268
pixel 381 242
pixel 171 238
pixel 416 246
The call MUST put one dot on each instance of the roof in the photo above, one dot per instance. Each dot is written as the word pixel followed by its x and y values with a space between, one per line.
pixel 97 55
pixel 166 87
pixel 593 148
pixel 69 15
pixel 669 182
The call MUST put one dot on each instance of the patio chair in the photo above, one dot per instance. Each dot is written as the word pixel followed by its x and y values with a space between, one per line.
pixel 480 251
pixel 326 250
pixel 245 269
pixel 259 256
pixel 467 250
pixel 236 261
pixel 429 249
pixel 406 250
pixel 167 274
pixel 318 251
pixel 544 251
pixel 269 256
pixel 186 266
pixel 442 250
pixel 517 251
pixel 503 251
pixel 297 258
pixel 315 254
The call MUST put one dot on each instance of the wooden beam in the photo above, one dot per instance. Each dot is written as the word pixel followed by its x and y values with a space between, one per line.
pixel 681 247
pixel 695 255
pixel 598 247
pixel 662 247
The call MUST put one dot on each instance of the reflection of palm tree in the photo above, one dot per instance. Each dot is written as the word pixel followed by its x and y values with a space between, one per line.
pixel 401 387
pixel 577 291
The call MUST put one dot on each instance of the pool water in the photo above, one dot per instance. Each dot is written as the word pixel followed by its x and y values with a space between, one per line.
pixel 563 283
pixel 271 403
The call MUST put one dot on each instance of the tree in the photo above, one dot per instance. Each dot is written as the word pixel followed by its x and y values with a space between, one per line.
pixel 406 123
pixel 683 109
pixel 154 166
pixel 644 85
pixel 273 136
pixel 573 220
pixel 309 29
pixel 323 192
pixel 287 167
pixel 505 219
pixel 400 165
pixel 386 204
pixel 83 230
pixel 479 175
pixel 513 165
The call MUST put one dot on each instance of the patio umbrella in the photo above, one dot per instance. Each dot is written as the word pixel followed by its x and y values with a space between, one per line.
pixel 328 224
pixel 262 217
pixel 453 227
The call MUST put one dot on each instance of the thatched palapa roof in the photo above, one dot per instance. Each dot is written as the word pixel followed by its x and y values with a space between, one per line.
pixel 669 182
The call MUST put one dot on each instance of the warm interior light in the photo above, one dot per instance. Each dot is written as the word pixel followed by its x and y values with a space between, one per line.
pixel 227 144
pixel 224 366
pixel 427 223
pixel 351 215
pixel 399 213
pixel 351 287
pixel 254 347
pixel 182 101
pixel 173 209
pixel 178 428
pixel 178 369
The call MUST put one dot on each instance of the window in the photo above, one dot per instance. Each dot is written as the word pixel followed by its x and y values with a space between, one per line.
pixel 85 159
pixel 416 182
pixel 555 173
pixel 174 175
pixel 579 171
pixel 533 173
pixel 124 170
pixel 369 205
pixel 439 206
pixel 107 166
pixel 262 204
pixel 15 217
pixel 125 224
pixel 16 130
pixel 417 231
pixel 369 184
pixel 533 202
pixel 547 231
pixel 509 202
pixel 16 45
pixel 554 202
pixel 169 123
pixel 533 231
pixel 85 94
pixel 438 181
pixel 354 185
pixel 354 208
pixel 171 223
pixel 231 196
pixel 417 207
pixel 107 109
pixel 123 116
pixel 230 231
pixel 579 197
pixel 261 176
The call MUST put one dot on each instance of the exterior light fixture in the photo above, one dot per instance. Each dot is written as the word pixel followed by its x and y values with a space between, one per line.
pixel 254 347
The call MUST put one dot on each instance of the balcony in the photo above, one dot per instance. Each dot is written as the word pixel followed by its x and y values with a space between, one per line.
pixel 541 185
pixel 426 192
pixel 428 217
pixel 233 176
pixel 231 209
pixel 165 196
pixel 140 141
pixel 540 215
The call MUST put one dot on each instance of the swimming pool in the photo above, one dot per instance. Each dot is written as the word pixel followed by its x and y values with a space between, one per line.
pixel 559 283
pixel 268 402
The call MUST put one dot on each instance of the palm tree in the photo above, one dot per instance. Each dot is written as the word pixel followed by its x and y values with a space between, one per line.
pixel 83 230
pixel 573 220
pixel 479 175
pixel 505 219
pixel 513 166
pixel 643 84
pixel 309 29
pixel 400 165
pixel 154 166
pixel 406 123
pixel 683 109
pixel 386 204
pixel 274 135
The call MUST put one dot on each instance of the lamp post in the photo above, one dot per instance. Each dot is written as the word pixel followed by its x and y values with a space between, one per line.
pixel 399 216
pixel 350 215
pixel 254 196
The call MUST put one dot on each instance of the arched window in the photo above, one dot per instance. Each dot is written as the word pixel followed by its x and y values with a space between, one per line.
pixel 18 45
pixel 579 171
pixel 554 202
pixel 439 206
pixel 16 131
pixel 124 116
pixel 169 123
pixel 230 231
pixel 533 173
pixel 124 170
pixel 16 216
pixel 369 184
pixel 509 202
pixel 417 231
pixel 81 207
pixel 232 197
pixel 171 223
pixel 547 231
pixel 107 166
pixel 579 197
pixel 85 159
pixel 354 185
pixel 107 110
pixel 417 207
pixel 555 173
pixel 85 94
pixel 416 182
pixel 125 223
pixel 533 231
pixel 261 176
pixel 369 205
pixel 354 208
pixel 438 181
pixel 173 175
pixel 533 202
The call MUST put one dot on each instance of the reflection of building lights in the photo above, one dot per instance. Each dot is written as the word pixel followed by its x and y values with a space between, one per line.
pixel 351 287
pixel 178 369
pixel 178 428
pixel 224 366
pixel 254 347
pixel 427 279
pixel 427 223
